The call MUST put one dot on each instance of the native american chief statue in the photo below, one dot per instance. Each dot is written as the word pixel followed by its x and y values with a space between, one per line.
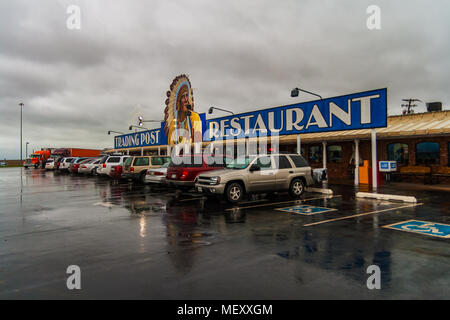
pixel 181 123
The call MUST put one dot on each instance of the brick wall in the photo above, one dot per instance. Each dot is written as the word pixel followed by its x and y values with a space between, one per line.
pixel 345 170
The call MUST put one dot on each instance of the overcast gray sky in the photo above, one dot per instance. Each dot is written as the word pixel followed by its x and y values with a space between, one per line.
pixel 240 55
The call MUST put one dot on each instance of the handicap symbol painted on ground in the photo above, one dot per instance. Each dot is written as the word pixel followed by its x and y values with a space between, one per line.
pixel 305 210
pixel 423 227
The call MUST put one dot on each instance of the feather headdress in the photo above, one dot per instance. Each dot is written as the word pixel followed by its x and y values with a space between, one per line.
pixel 179 86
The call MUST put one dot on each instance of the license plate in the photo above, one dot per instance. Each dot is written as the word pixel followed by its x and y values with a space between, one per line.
pixel 200 189
pixel 174 176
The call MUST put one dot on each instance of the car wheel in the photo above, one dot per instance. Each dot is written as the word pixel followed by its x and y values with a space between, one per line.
pixel 94 171
pixel 297 188
pixel 234 192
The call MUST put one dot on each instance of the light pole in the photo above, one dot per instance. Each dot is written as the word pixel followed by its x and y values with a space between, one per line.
pixel 132 126
pixel 26 149
pixel 141 121
pixel 21 107
pixel 109 132
pixel 295 91
pixel 210 110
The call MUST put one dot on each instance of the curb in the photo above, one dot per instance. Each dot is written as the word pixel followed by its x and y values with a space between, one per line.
pixel 380 196
pixel 319 190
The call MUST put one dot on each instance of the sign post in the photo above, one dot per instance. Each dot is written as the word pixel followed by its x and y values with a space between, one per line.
pixel 374 159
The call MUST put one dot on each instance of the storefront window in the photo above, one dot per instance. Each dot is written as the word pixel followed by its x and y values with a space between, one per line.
pixel 398 152
pixel 427 153
pixel 315 154
pixel 334 154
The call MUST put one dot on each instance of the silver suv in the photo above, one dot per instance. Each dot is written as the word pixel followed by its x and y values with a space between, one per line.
pixel 257 174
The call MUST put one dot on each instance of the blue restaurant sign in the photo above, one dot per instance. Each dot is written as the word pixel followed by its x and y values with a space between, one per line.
pixel 364 110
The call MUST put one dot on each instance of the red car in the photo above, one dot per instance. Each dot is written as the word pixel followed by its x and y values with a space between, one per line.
pixel 183 170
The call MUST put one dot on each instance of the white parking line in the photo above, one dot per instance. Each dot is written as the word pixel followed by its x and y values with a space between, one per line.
pixel 277 203
pixel 362 214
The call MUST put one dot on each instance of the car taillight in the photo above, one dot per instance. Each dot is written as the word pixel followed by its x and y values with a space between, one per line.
pixel 83 166
pixel 104 165
pixel 184 174
pixel 132 169
pixel 157 173
pixel 117 169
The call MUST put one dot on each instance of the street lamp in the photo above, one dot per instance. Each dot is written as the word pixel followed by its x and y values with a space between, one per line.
pixel 141 121
pixel 132 126
pixel 295 91
pixel 21 107
pixel 26 149
pixel 109 132
pixel 210 110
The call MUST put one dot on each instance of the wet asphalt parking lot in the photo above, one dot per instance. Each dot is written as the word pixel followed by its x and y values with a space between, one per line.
pixel 139 242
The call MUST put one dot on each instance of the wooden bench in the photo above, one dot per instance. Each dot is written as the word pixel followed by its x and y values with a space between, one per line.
pixel 440 172
pixel 413 171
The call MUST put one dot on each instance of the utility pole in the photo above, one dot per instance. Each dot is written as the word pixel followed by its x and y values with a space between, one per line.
pixel 409 106
pixel 21 107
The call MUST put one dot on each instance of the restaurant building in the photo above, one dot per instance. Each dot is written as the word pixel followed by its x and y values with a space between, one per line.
pixel 412 140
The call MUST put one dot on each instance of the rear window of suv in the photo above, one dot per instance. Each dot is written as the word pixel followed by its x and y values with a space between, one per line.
pixel 141 161
pixel 113 160
pixel 299 161
pixel 281 162
pixel 159 161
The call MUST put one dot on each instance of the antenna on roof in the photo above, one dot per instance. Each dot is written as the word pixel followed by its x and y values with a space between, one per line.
pixel 408 107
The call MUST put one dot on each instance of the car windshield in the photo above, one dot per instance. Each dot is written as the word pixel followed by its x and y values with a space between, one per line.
pixel 240 162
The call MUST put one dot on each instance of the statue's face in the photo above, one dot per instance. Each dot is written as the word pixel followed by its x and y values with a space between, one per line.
pixel 184 102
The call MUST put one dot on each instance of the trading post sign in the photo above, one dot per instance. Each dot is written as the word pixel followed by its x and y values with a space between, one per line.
pixel 147 138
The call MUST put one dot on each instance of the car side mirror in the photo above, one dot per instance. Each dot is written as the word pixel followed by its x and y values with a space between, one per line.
pixel 255 167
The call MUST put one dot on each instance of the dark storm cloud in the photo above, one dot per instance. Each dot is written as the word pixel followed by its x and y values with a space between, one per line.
pixel 240 55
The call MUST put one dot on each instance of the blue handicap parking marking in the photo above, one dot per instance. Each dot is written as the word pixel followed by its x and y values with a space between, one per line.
pixel 305 209
pixel 423 227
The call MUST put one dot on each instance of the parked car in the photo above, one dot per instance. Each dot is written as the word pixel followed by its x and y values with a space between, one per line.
pixel 50 164
pixel 157 176
pixel 183 170
pixel 58 162
pixel 75 164
pixel 89 166
pixel 135 168
pixel 112 166
pixel 258 174
pixel 65 163
pixel 320 175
